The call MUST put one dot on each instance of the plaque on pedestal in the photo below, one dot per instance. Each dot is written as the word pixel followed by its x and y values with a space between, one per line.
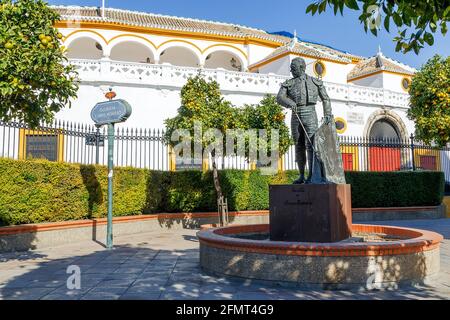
pixel 310 212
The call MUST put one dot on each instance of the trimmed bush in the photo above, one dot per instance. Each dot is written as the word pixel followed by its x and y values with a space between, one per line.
pixel 396 189
pixel 42 191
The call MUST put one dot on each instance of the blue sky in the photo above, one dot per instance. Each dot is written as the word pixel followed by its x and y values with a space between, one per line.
pixel 344 33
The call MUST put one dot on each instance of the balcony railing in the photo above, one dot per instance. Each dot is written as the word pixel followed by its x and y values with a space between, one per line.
pixel 169 76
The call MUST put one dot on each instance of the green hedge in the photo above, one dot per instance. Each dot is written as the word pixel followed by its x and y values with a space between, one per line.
pixel 396 189
pixel 41 191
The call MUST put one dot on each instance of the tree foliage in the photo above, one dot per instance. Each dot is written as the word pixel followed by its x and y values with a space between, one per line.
pixel 202 101
pixel 268 114
pixel 35 81
pixel 430 101
pixel 416 20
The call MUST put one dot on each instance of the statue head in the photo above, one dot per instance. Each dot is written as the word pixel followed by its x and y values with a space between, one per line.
pixel 298 67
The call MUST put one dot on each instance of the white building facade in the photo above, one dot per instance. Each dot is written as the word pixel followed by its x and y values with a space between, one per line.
pixel 147 58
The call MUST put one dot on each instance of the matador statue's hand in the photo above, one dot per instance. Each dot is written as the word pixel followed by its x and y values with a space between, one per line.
pixel 328 118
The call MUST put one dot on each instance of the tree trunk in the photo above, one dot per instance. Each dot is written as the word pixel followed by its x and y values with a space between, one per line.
pixel 221 204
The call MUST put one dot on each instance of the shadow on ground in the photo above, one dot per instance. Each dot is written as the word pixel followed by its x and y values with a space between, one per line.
pixel 139 272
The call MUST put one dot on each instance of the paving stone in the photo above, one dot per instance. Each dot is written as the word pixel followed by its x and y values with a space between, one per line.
pixel 24 294
pixel 146 267
pixel 115 283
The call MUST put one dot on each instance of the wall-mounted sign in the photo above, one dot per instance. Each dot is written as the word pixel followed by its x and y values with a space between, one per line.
pixel 42 146
pixel 355 118
pixel 113 111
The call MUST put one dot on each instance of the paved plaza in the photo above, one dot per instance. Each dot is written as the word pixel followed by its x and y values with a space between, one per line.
pixel 165 265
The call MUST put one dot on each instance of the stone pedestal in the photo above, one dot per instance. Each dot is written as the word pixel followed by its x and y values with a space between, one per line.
pixel 310 213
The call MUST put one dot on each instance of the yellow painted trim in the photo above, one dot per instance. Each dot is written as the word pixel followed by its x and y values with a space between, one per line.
pixel 181 40
pixel 377 72
pixel 172 160
pixel 171 33
pixel 225 45
pixel 353 150
pixel 258 65
pixel 132 35
pixel 324 69
pixel 345 124
pixel 427 152
pixel 205 165
pixel 23 133
pixel 84 30
pixel 409 83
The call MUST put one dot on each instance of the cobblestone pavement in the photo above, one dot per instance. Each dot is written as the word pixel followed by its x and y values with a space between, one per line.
pixel 164 265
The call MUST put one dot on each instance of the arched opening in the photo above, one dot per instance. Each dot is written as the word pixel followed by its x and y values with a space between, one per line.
pixel 179 56
pixel 385 153
pixel 223 59
pixel 131 51
pixel 85 48
pixel 384 129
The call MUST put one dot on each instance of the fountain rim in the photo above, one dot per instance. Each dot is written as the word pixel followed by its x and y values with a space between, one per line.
pixel 419 241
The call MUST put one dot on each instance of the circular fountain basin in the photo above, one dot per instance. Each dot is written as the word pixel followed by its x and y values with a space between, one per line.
pixel 375 257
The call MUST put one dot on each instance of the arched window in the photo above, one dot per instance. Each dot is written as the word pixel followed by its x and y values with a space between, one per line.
pixel 179 56
pixel 131 51
pixel 384 129
pixel 85 48
pixel 223 59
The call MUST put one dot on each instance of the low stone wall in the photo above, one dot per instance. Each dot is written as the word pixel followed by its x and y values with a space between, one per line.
pixel 409 213
pixel 325 266
pixel 36 236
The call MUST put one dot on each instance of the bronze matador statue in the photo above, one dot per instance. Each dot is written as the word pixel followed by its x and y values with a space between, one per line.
pixel 300 94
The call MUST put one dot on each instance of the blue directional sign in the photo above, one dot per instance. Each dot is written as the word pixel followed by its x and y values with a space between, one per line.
pixel 109 112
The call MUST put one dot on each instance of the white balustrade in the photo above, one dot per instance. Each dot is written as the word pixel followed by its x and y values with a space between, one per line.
pixel 231 81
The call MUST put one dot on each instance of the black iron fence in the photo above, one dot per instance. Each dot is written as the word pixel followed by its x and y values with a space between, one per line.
pixel 85 144
pixel 144 148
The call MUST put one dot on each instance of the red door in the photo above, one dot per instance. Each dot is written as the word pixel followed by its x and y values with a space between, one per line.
pixel 428 162
pixel 384 159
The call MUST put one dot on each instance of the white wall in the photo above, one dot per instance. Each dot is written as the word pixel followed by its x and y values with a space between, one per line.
pixel 393 82
pixel 374 81
pixel 280 66
pixel 151 105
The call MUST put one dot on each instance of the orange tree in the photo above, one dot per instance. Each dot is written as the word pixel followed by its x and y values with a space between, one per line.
pixel 430 101
pixel 35 81
pixel 267 115
pixel 202 102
